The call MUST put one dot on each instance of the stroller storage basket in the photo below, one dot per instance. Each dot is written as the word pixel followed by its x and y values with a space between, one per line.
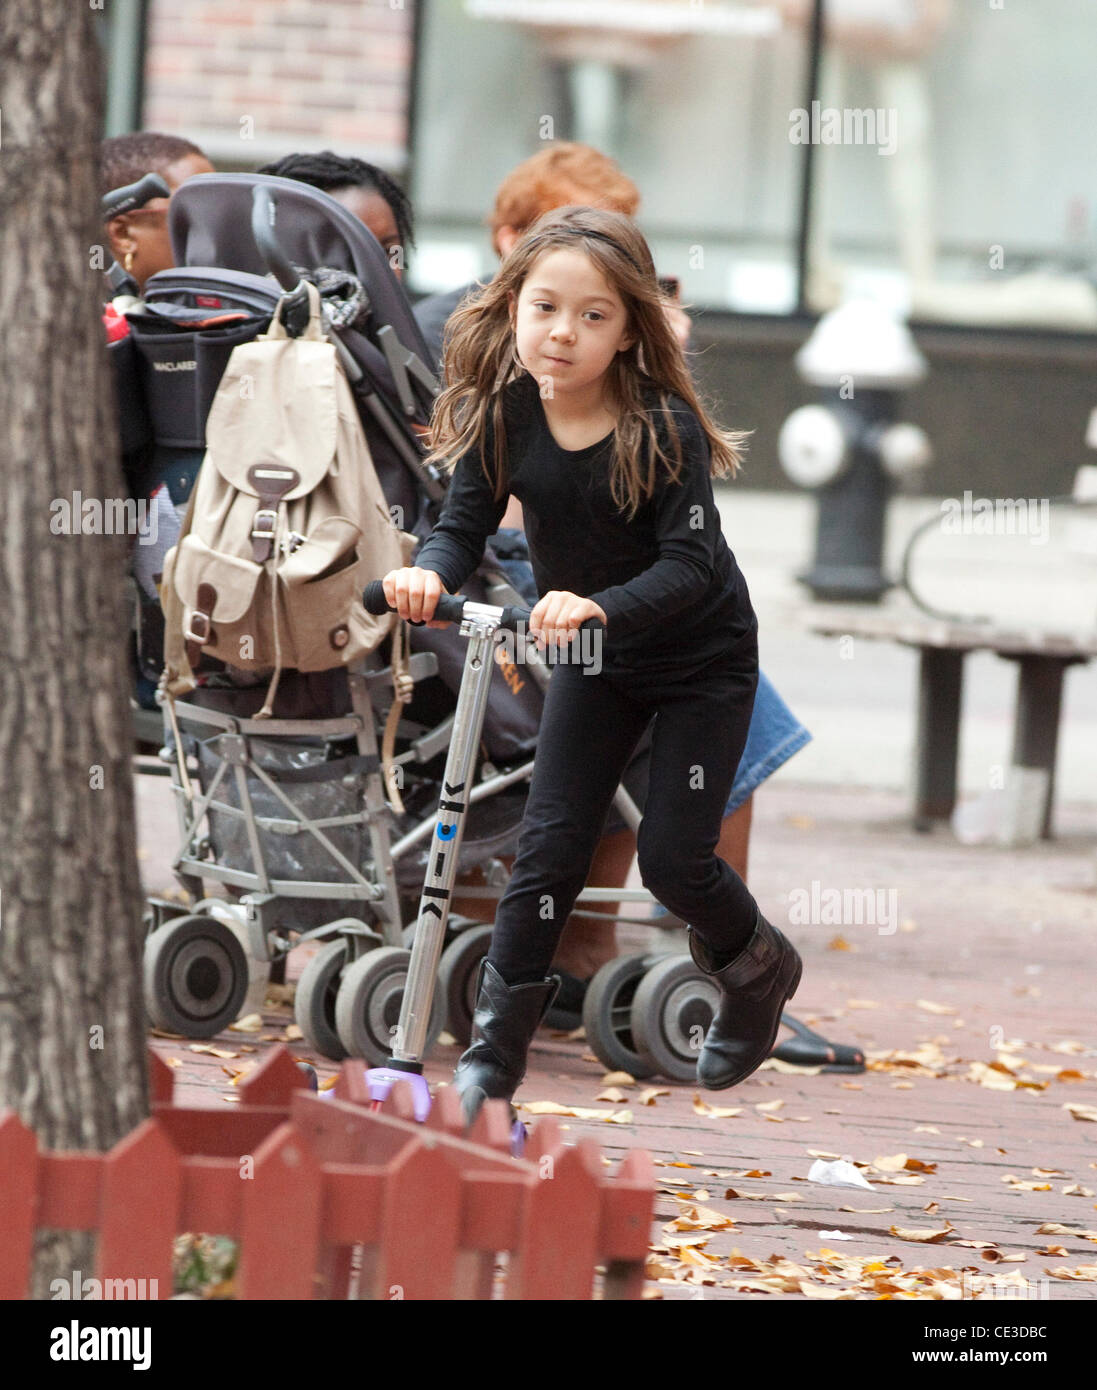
pixel 325 789
pixel 279 806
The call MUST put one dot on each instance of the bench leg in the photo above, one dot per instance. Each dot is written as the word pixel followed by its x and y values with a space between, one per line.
pixel 1036 728
pixel 940 688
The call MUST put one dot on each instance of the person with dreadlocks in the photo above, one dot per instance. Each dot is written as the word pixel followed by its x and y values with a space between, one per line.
pixel 366 191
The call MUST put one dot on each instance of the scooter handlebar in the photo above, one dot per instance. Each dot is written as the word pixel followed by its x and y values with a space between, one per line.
pixel 450 608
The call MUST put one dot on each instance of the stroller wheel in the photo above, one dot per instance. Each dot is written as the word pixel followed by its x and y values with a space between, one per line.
pixel 314 1003
pixel 195 976
pixel 367 1006
pixel 607 1016
pixel 671 1013
pixel 458 972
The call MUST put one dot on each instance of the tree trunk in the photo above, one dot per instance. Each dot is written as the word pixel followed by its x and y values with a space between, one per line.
pixel 72 1029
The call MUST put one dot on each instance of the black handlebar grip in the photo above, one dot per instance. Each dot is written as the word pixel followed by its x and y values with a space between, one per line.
pixel 374 600
pixel 448 609
pixel 133 195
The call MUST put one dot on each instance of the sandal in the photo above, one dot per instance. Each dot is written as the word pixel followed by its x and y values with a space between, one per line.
pixel 811 1049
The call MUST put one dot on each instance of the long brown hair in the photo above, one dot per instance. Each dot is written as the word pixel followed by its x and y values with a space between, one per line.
pixel 480 359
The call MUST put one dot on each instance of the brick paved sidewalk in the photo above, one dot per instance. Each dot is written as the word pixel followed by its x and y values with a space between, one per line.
pixel 999 943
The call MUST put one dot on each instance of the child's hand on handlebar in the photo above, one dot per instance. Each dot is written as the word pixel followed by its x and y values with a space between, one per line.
pixel 558 616
pixel 414 592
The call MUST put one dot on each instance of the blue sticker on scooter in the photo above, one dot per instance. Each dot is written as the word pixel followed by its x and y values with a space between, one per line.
pixel 446 832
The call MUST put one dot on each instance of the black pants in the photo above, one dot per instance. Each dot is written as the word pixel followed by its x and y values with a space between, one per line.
pixel 589 729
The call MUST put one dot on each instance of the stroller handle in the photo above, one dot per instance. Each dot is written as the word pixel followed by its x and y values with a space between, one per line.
pixel 262 229
pixel 132 196
pixel 451 608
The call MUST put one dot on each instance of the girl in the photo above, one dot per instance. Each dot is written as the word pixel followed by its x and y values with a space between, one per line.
pixel 566 387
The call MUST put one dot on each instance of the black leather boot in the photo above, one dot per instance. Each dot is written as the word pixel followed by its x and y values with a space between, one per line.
pixel 755 985
pixel 503 1024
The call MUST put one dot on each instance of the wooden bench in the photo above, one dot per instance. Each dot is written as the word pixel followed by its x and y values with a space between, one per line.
pixel 1042 659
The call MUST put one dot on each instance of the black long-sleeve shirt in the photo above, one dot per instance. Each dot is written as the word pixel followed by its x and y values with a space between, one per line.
pixel 666 580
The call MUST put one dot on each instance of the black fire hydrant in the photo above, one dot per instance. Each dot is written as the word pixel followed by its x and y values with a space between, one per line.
pixel 851 450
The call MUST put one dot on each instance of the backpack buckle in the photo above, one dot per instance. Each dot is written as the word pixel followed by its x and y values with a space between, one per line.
pixel 198 628
pixel 265 533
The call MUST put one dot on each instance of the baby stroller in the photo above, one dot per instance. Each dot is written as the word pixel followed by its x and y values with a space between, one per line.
pixel 289 815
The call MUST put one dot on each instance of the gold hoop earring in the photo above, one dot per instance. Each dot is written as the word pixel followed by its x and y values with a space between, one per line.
pixel 127 262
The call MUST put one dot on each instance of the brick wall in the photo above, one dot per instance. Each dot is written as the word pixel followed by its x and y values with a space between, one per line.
pixel 249 80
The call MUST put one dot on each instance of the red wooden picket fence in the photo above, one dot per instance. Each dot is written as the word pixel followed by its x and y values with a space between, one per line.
pixel 330 1199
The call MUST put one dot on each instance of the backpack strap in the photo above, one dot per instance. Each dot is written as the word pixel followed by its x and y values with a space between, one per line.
pixel 403 687
pixel 315 330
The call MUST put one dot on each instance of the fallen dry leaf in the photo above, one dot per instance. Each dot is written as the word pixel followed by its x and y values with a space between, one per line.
pixel 1056 1228
pixel 697 1218
pixel 551 1107
pixel 1077 1190
pixel 768 1105
pixel 213 1051
pixel 174 1061
pixel 867 1211
pixel 649 1096
pixel 839 943
pixel 1021 1185
pixel 788 1068
pixel 618 1078
pixel 923 1235
pixel 1087 1273
pixel 732 1193
pixel 715 1112
pixel 929 1007
pixel 612 1093
pixel 810 1290
pixel 1082 1112
pixel 291 1033
pixel 250 1023
pixel 686 1242
pixel 898 1163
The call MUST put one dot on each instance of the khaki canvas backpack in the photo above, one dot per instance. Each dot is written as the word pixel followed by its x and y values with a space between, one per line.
pixel 287 521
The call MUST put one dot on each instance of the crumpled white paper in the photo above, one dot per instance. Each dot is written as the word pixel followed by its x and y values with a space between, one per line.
pixel 838 1173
